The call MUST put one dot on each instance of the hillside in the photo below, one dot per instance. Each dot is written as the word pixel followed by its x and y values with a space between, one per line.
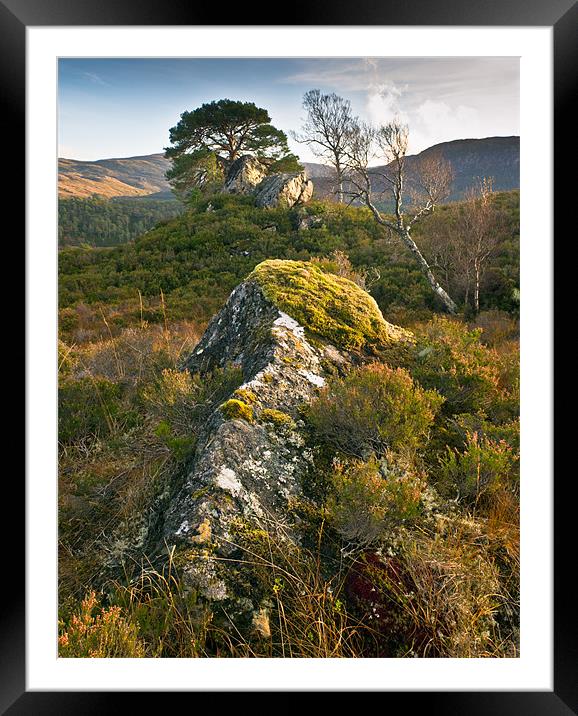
pixel 97 221
pixel 496 157
pixel 197 258
pixel 132 176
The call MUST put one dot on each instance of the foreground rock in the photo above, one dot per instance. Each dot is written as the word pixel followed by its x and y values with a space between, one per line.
pixel 251 457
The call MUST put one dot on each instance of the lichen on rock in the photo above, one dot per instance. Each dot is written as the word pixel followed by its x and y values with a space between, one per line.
pixel 284 190
pixel 250 457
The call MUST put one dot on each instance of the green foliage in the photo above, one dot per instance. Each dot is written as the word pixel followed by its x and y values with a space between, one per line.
pixel 374 408
pixel 474 475
pixel 91 406
pixel 180 446
pixel 328 306
pixel 102 222
pixel 234 409
pixel 370 499
pixel 199 257
pixel 451 359
pixel 208 138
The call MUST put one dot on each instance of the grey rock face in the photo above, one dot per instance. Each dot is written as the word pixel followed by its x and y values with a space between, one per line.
pixel 247 469
pixel 247 175
pixel 284 190
pixel 244 174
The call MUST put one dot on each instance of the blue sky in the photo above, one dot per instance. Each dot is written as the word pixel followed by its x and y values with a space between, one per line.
pixel 124 107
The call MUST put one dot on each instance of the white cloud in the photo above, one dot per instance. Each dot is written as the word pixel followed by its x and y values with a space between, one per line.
pixel 434 121
pixel 383 104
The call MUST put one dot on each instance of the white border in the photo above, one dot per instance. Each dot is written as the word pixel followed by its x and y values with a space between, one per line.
pixel 534 669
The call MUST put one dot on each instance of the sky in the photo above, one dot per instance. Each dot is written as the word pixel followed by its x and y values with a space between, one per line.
pixel 125 107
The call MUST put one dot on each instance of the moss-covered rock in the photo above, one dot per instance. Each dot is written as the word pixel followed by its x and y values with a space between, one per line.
pixel 277 417
pixel 247 396
pixel 326 305
pixel 284 330
pixel 234 409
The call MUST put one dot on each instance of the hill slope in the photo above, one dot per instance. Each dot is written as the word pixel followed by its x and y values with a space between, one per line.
pixel 198 258
pixel 496 157
pixel 132 176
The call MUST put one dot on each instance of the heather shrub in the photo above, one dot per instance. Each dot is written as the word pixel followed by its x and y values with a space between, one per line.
pixel 483 468
pixel 451 359
pixel 99 632
pixel 374 409
pixel 369 499
pixel 497 327
pixel 91 406
pixel 454 593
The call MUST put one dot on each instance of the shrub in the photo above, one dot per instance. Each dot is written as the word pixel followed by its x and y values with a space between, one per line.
pixel 89 406
pixel 439 596
pixel 498 327
pixel 481 470
pixel 99 632
pixel 374 408
pixel 371 498
pixel 451 359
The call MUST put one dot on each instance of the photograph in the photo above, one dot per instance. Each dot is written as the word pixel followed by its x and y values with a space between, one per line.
pixel 288 357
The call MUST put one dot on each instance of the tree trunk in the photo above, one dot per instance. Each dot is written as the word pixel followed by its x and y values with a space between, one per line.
pixel 449 305
pixel 477 291
pixel 339 173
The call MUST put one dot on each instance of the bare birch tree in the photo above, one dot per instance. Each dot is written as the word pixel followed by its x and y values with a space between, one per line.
pixel 415 194
pixel 326 130
pixel 479 233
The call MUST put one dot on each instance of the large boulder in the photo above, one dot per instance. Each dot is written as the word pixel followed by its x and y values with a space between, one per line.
pixel 244 174
pixel 285 190
pixel 251 456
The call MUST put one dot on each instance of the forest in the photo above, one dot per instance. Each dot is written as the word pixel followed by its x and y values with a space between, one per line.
pixel 103 222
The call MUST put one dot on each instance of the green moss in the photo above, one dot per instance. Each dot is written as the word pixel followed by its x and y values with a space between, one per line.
pixel 234 409
pixel 328 306
pixel 247 396
pixel 197 494
pixel 277 417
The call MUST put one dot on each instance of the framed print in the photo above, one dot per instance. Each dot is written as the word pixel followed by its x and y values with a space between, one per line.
pixel 236 415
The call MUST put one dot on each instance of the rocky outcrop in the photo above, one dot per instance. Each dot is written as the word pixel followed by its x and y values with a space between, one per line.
pixel 244 174
pixel 251 456
pixel 247 175
pixel 284 190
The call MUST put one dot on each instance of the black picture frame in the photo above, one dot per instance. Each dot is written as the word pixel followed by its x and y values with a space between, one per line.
pixel 561 15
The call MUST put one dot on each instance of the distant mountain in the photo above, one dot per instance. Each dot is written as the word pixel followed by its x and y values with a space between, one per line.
pixel 497 157
pixel 132 176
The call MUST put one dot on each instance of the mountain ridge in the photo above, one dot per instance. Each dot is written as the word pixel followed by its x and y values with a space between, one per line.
pixel 143 175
